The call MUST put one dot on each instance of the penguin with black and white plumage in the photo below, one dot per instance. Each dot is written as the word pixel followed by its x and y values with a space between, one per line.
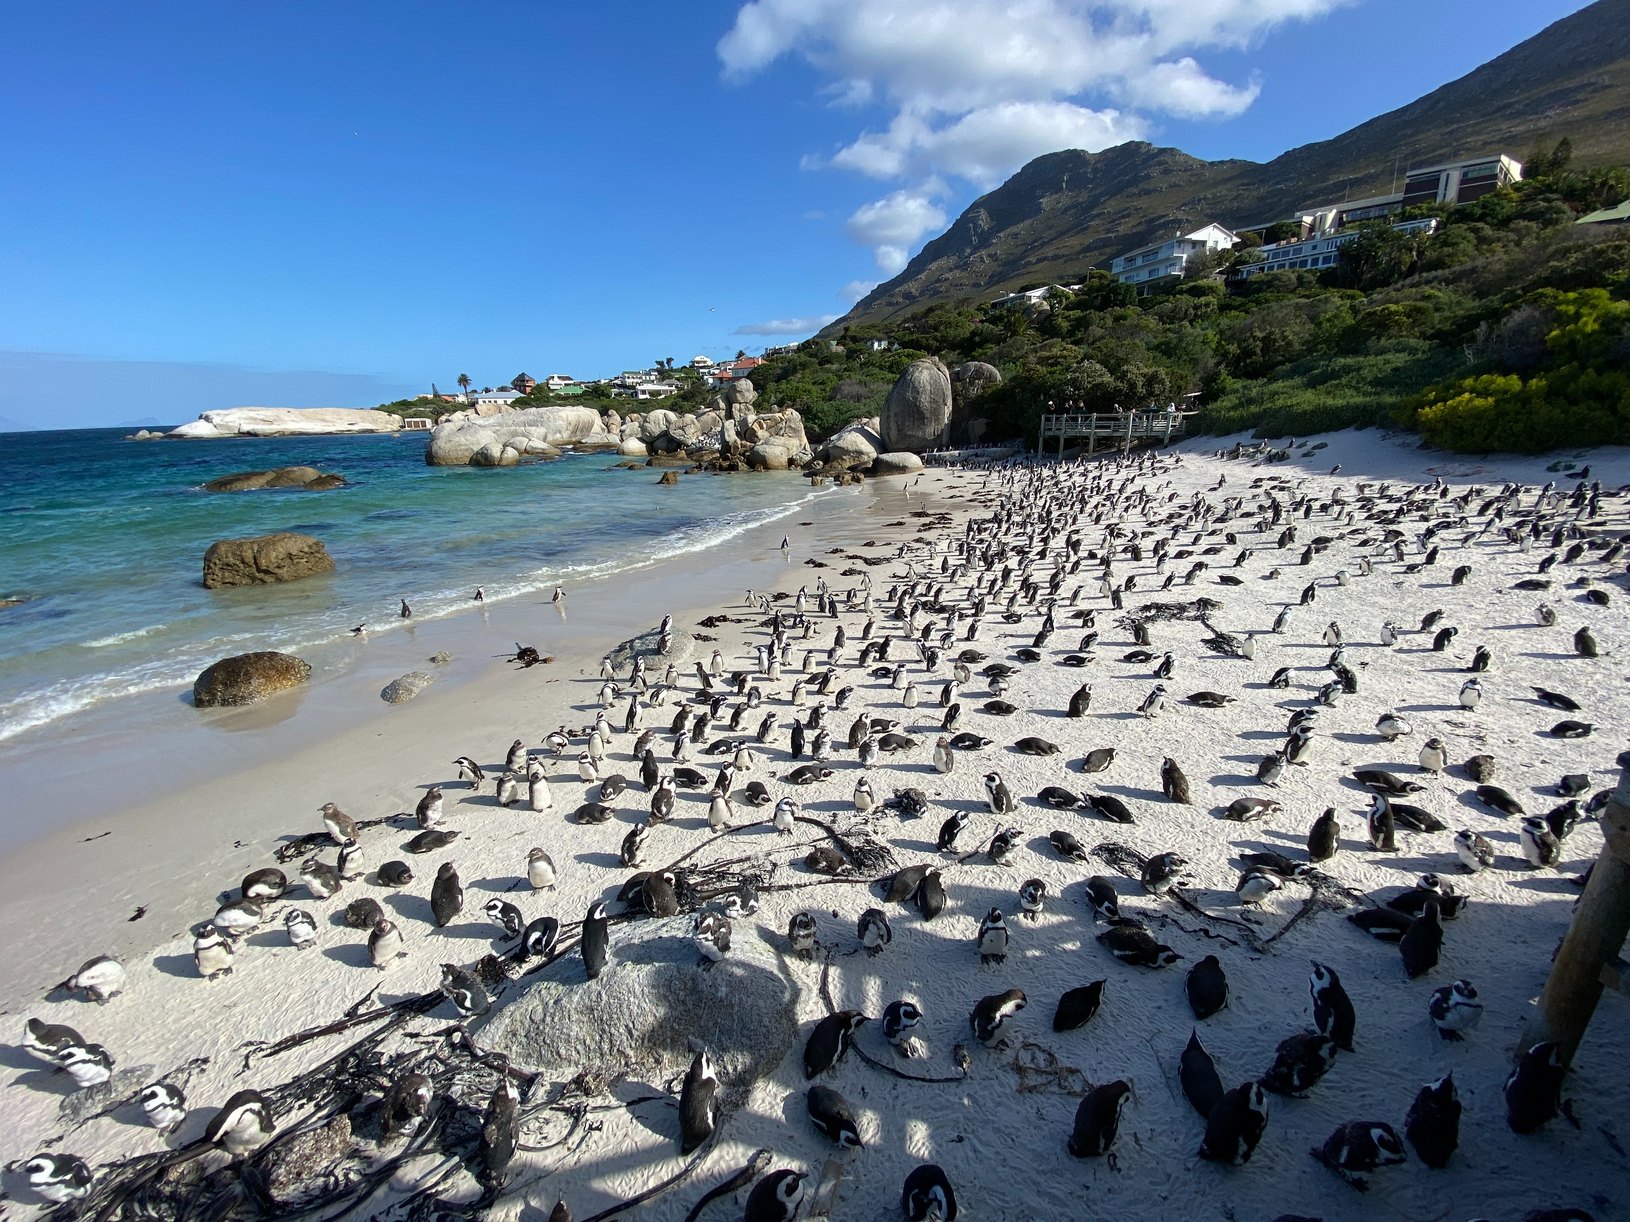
pixel 1474 850
pixel 540 870
pixel 405 1106
pixel 301 927
pixel 539 938
pixel 1236 1125
pixel 801 935
pixel 711 933
pixel 47 1041
pixel 1533 1092
pixel 698 1103
pixel 1333 1013
pixel 1359 1147
pixel 58 1178
pixel 243 1124
pixel 595 942
pixel 1433 1123
pixel 993 1015
pixel 212 954
pixel 927 1195
pixel 833 1116
pixel 874 931
pixel 1299 1062
pixel 384 943
pixel 101 979
pixel 165 1106
pixel 1422 943
pixel 1197 1075
pixel 777 1197
pixel 900 1020
pixel 1540 847
pixel 466 993
pixel 993 938
pixel 1206 987
pixel 1098 1119
pixel 505 915
pixel 829 1042
pixel 89 1065
pixel 1135 945
pixel 446 895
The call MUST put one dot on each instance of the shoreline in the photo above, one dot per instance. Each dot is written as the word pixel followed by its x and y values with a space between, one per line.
pixel 999 1131
pixel 213 756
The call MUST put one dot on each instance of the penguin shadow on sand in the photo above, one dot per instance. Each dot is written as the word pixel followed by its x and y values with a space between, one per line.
pixel 1240 780
pixel 605 861
pixel 180 966
pixel 350 954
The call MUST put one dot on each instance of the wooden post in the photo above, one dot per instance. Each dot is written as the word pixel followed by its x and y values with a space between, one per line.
pixel 1167 440
pixel 1595 938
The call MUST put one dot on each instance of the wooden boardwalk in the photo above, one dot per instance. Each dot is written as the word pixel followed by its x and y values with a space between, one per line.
pixel 1111 428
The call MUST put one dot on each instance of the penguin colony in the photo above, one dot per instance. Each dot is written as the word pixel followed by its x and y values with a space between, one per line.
pixel 861 698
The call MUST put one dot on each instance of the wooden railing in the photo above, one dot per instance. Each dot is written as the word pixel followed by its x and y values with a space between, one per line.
pixel 1123 427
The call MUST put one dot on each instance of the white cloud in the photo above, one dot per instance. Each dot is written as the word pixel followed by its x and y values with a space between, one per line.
pixel 855 290
pixel 892 225
pixel 976 88
pixel 785 326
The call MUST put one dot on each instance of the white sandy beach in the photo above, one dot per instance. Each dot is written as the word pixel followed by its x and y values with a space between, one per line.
pixel 999 1132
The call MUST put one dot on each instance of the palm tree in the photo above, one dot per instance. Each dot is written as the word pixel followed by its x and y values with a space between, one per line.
pixel 464 384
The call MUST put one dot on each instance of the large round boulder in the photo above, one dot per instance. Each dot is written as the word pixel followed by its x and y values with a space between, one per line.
pixel 455 443
pixel 248 677
pixel 642 1015
pixel 899 462
pixel 854 445
pixel 973 378
pixel 918 408
pixel 284 556
pixel 741 393
pixel 773 455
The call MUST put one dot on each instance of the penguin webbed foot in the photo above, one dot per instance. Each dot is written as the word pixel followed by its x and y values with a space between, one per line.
pixel 1453 1037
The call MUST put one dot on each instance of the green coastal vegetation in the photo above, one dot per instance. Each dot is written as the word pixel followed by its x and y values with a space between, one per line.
pixel 1506 329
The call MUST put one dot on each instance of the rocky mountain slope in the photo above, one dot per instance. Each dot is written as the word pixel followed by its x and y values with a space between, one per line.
pixel 1067 211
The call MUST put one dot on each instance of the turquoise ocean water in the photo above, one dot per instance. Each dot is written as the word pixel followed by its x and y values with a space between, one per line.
pixel 104 540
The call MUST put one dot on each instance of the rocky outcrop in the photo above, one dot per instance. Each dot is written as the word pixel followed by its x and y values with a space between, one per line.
pixel 775 454
pixel 856 444
pixel 973 378
pixel 308 478
pixel 248 677
pixel 918 409
pixel 287 422
pixel 264 559
pixel 641 1014
pixel 534 433
pixel 400 691
pixel 899 462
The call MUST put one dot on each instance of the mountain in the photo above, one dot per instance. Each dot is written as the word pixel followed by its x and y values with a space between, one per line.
pixel 1065 212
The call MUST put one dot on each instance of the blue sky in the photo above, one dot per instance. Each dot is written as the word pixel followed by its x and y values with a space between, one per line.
pixel 211 204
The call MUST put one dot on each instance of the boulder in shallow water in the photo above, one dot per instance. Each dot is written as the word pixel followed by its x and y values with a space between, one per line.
pixel 400 691
pixel 264 559
pixel 641 1014
pixel 307 478
pixel 248 677
pixel 669 478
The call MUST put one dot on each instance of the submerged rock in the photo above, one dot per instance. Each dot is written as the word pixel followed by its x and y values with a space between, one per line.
pixel 248 677
pixel 405 688
pixel 308 478
pixel 264 559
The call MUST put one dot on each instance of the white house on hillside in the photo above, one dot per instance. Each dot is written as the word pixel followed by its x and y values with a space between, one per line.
pixel 1168 259
pixel 499 398
pixel 556 381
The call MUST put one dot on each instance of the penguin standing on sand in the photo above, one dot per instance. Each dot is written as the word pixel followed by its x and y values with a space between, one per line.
pixel 58 1178
pixel 1098 1119
pixel 1333 1013
pixel 243 1124
pixel 698 1103
pixel 1454 1008
pixel 780 1194
pixel 829 1042
pixel 446 894
pixel 927 1195
pixel 164 1105
pixel 1236 1125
